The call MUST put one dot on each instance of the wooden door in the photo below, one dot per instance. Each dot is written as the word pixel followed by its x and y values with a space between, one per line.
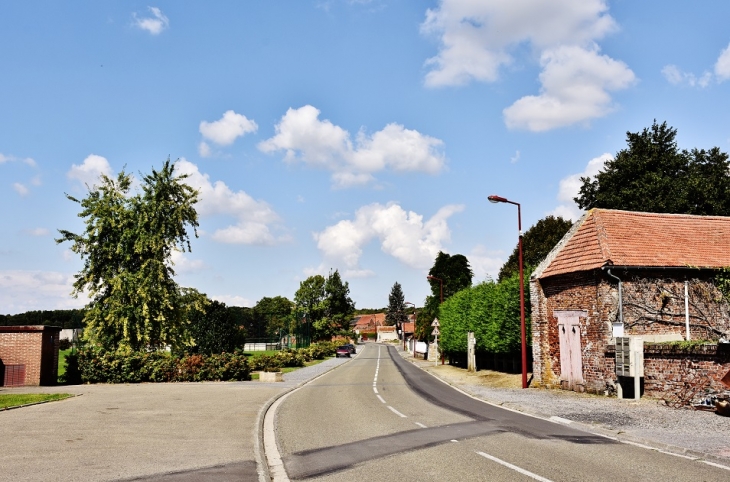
pixel 571 354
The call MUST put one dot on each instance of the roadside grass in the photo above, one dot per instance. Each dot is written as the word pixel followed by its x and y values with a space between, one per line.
pixel 255 376
pixel 19 399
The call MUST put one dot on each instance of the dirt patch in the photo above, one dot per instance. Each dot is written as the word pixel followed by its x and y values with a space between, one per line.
pixel 485 378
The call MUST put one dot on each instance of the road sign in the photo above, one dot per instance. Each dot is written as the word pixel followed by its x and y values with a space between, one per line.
pixel 436 331
pixel 435 322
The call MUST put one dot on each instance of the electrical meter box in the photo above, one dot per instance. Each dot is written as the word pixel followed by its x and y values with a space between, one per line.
pixel 629 356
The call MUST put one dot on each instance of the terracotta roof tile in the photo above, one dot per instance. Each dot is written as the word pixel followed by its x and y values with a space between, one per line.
pixel 626 238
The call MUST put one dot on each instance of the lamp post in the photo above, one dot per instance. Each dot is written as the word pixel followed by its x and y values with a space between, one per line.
pixel 414 326
pixel 499 199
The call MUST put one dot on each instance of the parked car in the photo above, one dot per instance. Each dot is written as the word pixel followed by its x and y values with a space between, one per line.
pixel 351 347
pixel 342 351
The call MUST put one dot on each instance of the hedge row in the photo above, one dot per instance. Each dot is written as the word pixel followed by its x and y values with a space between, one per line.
pixel 89 365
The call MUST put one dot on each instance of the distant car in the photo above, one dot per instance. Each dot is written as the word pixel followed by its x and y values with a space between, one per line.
pixel 342 351
pixel 350 347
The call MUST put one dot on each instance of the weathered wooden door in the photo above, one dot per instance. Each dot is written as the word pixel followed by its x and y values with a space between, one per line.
pixel 571 361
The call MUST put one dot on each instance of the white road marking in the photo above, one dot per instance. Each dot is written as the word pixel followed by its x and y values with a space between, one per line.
pixel 719 466
pixel 396 412
pixel 381 399
pixel 561 420
pixel 375 390
pixel 454 440
pixel 514 467
pixel 421 425
pixel 679 455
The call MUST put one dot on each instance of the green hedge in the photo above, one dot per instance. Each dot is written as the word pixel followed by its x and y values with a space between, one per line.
pixel 89 365
pixel 491 310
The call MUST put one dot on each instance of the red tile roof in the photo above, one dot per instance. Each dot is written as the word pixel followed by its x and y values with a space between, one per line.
pixel 625 238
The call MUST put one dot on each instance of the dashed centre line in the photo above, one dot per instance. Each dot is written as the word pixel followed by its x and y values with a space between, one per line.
pixel 514 467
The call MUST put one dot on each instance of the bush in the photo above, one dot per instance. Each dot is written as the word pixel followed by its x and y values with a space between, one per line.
pixel 64 344
pixel 96 366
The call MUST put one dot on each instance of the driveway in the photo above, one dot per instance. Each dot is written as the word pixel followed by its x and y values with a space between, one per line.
pixel 175 431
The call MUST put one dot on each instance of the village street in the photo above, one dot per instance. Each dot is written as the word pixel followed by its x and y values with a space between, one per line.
pixel 378 417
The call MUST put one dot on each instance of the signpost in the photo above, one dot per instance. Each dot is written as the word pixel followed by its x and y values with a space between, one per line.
pixel 435 333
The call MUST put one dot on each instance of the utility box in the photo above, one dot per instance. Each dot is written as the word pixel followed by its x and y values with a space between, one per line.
pixel 629 356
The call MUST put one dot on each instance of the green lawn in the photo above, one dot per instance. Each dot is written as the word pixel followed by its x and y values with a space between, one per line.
pixel 62 362
pixel 16 400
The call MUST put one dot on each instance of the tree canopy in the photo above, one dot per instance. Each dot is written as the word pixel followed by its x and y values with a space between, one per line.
pixel 652 174
pixel 126 248
pixel 396 314
pixel 327 303
pixel 271 315
pixel 215 330
pixel 537 242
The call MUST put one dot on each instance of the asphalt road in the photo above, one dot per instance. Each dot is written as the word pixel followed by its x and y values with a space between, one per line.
pixel 378 417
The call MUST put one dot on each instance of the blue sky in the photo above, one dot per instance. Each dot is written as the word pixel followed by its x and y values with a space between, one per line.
pixel 357 135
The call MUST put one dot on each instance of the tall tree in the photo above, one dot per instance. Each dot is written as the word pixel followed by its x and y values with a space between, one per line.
pixel 272 315
pixel 327 303
pixel 126 248
pixel 537 242
pixel 396 314
pixel 652 174
pixel 456 275
pixel 215 330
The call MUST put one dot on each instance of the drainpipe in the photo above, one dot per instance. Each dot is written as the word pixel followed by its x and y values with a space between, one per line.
pixel 619 388
pixel 686 307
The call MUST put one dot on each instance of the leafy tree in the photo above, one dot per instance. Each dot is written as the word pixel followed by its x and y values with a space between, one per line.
pixel 456 275
pixel 652 174
pixel 126 248
pixel 272 315
pixel 454 271
pixel 215 330
pixel 537 242
pixel 396 314
pixel 327 303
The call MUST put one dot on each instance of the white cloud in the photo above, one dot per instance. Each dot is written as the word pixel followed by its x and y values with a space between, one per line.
pixel 570 188
pixel 38 232
pixel 676 76
pixel 182 264
pixel 722 66
pixel 21 189
pixel 479 37
pixel 22 291
pixel 4 158
pixel 154 24
pixel 321 144
pixel 234 300
pixel 89 172
pixel 227 129
pixel 253 218
pixel 514 159
pixel 485 263
pixel 402 234
pixel 26 160
pixel 204 149
pixel 575 85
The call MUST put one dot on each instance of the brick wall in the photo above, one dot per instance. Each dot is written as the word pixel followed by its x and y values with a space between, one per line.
pixel 36 347
pixel 23 348
pixel 597 295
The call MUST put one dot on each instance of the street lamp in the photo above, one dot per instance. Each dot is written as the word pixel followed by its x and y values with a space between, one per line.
pixel 441 283
pixel 415 318
pixel 499 199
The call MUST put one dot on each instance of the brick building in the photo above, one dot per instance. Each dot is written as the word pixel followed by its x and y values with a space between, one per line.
pixel 28 355
pixel 621 273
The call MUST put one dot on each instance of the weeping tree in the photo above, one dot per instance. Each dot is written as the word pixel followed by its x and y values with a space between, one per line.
pixel 128 273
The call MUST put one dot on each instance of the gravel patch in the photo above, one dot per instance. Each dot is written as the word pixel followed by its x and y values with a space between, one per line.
pixel 648 421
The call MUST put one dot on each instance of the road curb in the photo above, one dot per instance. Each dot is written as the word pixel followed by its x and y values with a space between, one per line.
pixel 262 464
pixel 593 429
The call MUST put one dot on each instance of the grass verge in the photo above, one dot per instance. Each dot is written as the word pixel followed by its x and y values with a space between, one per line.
pixel 255 376
pixel 20 399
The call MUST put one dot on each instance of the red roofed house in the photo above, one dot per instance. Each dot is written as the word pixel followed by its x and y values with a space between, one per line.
pixel 578 308
pixel 369 323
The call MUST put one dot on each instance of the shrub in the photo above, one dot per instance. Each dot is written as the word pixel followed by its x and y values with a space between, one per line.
pixel 64 344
